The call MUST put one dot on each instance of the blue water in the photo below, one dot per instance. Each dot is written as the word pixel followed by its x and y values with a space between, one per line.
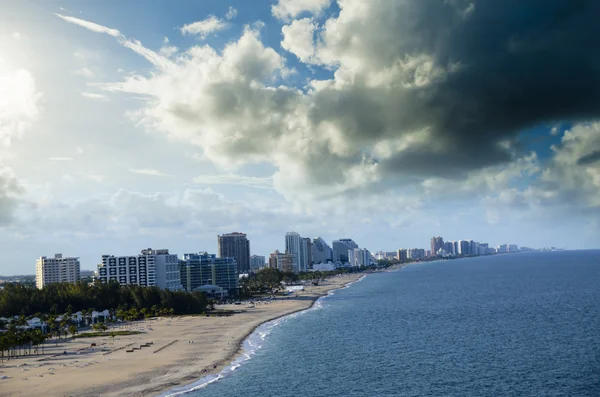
pixel 510 325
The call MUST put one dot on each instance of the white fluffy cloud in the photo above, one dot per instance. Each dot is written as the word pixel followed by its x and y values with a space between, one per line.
pixel 203 28
pixel 285 9
pixel 298 38
pixel 231 13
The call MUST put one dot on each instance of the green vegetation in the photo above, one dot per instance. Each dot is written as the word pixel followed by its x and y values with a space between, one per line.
pixel 54 299
pixel 268 281
pixel 112 334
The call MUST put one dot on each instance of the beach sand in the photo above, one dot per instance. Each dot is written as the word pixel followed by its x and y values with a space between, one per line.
pixel 193 347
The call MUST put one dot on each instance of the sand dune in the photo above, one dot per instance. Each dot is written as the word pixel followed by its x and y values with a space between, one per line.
pixel 183 350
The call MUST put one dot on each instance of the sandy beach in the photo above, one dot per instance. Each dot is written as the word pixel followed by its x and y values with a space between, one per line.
pixel 183 350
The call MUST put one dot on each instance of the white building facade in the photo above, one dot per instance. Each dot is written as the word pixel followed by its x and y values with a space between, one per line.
pixel 56 270
pixel 359 257
pixel 150 268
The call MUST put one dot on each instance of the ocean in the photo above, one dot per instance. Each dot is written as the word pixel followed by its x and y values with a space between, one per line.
pixel 508 325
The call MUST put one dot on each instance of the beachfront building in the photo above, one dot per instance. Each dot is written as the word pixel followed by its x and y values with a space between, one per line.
pixel 359 257
pixel 341 248
pixel 237 246
pixel 437 243
pixel 257 262
pixel 284 262
pixel 148 269
pixel 197 270
pixel 56 270
pixel 299 247
pixel 449 247
pixel 464 247
pixel 416 253
pixel 321 251
pixel 402 255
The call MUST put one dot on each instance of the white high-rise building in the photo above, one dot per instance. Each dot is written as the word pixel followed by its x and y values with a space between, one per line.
pixel 150 268
pixel 359 257
pixel 295 244
pixel 56 270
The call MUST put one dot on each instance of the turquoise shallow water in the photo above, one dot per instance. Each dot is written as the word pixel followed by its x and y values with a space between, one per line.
pixel 511 325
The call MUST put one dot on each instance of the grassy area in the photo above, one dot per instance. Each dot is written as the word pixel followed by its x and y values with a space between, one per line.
pixel 108 333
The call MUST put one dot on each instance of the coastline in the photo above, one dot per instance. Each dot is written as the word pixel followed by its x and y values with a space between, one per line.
pixel 231 359
pixel 196 348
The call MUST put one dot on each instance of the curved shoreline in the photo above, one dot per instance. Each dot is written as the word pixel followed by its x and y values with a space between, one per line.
pixel 232 357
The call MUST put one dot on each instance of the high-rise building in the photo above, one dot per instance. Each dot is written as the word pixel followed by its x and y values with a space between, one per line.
pixel 151 268
pixel 359 257
pixel 308 244
pixel 235 245
pixel 56 270
pixel 298 246
pixel 256 262
pixel 402 255
pixel 449 247
pixel 456 249
pixel 513 248
pixel 197 270
pixel 473 247
pixel 484 249
pixel 284 262
pixel 273 260
pixel 341 248
pixel 437 243
pixel 464 247
pixel 321 251
pixel 415 253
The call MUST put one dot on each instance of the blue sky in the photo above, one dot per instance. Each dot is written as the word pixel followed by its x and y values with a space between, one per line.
pixel 388 122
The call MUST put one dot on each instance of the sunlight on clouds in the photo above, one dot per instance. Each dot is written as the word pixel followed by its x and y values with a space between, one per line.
pixel 18 103
pixel 93 95
pixel 203 28
pixel 147 171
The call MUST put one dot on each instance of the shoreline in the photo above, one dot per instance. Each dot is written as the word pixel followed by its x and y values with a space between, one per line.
pixel 190 351
pixel 231 359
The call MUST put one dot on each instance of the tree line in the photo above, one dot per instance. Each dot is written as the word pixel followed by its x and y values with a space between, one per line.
pixel 16 299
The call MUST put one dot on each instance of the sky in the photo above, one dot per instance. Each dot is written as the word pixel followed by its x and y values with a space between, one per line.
pixel 128 125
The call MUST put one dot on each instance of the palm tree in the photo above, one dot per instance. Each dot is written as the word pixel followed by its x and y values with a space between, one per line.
pixel 73 330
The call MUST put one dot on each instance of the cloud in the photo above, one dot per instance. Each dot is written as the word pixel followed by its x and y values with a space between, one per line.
pixel 94 95
pixel 433 91
pixel 285 9
pixel 298 38
pixel 231 13
pixel 94 177
pixel 134 45
pixel 10 192
pixel 203 28
pixel 18 104
pixel 147 171
pixel 16 35
pixel 94 27
pixel 60 158
pixel 232 179
pixel 85 72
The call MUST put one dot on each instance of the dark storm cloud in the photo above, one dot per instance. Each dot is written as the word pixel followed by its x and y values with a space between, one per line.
pixel 517 64
pixel 589 158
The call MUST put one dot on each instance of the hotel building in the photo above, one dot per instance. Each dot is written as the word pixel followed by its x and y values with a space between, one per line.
pixel 56 270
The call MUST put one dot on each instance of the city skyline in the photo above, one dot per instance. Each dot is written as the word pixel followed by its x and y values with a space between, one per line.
pixel 119 129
